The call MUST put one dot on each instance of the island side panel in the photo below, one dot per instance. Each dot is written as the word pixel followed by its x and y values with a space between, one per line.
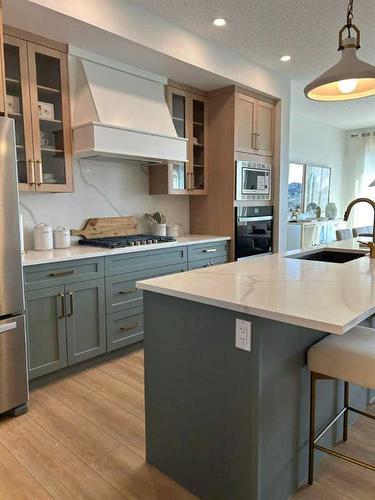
pixel 200 395
pixel 227 423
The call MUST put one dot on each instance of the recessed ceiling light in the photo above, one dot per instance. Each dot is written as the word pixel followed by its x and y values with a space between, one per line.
pixel 285 58
pixel 219 22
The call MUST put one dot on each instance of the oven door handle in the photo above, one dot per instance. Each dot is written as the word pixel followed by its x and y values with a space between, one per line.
pixel 254 219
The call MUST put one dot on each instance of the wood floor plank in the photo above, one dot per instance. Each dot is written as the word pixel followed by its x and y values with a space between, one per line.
pixel 122 425
pixel 77 433
pixel 58 470
pixel 351 480
pixel 128 473
pixel 363 429
pixel 133 359
pixel 319 491
pixel 125 372
pixel 114 390
pixel 16 483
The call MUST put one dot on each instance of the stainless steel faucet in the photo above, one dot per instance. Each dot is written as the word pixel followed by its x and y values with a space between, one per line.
pixel 370 244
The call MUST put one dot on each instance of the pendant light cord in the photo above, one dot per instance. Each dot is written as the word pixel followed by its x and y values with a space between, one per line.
pixel 349 17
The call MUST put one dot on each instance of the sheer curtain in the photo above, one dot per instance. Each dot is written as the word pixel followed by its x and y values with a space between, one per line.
pixel 359 173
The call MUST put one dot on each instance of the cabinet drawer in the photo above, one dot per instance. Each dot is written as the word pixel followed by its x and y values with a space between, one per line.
pixel 63 273
pixel 124 328
pixel 207 262
pixel 207 250
pixel 147 259
pixel 121 292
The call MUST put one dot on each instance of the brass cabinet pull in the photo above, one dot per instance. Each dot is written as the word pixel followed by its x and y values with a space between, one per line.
pixel 57 274
pixel 126 292
pixel 71 304
pixel 129 327
pixel 256 135
pixel 209 250
pixel 39 172
pixel 30 172
pixel 62 297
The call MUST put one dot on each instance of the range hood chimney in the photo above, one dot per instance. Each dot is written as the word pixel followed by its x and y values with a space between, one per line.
pixel 120 112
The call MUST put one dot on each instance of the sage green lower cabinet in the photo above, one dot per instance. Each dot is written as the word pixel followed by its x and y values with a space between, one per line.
pixel 124 328
pixel 85 320
pixel 79 309
pixel 46 331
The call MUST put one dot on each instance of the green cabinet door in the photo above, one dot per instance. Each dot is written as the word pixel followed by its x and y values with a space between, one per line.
pixel 45 325
pixel 85 320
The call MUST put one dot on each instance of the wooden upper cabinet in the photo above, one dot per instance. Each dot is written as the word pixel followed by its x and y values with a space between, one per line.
pixel 37 97
pixel 245 123
pixel 264 128
pixel 254 125
pixel 189 113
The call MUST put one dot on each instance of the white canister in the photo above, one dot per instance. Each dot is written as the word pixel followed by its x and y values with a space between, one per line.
pixel 43 239
pixel 172 230
pixel 159 229
pixel 61 237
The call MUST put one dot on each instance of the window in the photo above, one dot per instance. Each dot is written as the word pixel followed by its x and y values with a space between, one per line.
pixel 295 184
pixel 308 187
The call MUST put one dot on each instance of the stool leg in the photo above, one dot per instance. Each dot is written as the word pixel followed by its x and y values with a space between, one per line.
pixel 312 427
pixel 346 414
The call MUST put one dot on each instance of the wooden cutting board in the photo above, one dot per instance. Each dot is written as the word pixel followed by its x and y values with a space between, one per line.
pixel 102 227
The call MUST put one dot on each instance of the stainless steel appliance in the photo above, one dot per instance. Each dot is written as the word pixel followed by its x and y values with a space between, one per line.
pixel 254 228
pixel 13 372
pixel 127 241
pixel 253 180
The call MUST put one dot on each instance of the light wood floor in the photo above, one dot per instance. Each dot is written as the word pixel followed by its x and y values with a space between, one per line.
pixel 83 438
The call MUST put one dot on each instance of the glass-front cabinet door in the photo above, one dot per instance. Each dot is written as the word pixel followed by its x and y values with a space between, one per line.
pixel 50 116
pixel 18 107
pixel 178 105
pixel 37 99
pixel 198 145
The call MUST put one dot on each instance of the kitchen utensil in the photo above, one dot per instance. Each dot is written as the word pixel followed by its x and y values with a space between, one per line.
pixel 43 239
pixel 107 226
pixel 61 237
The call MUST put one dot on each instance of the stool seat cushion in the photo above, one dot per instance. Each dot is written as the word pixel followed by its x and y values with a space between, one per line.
pixel 349 357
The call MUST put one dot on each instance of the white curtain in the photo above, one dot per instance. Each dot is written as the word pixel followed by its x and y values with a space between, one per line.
pixel 359 173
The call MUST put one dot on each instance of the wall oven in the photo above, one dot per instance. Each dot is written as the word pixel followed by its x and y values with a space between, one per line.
pixel 254 228
pixel 253 180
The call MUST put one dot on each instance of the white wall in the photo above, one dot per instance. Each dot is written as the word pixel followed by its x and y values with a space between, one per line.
pixel 317 143
pixel 102 189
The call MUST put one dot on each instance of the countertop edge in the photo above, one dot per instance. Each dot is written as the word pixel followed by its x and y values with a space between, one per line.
pixel 103 252
pixel 254 311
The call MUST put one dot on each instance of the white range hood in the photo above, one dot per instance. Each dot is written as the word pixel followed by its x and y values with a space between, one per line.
pixel 120 113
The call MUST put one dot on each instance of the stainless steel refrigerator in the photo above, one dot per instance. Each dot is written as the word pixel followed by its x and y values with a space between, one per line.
pixel 13 370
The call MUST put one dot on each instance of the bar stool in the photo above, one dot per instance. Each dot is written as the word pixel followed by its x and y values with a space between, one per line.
pixel 351 358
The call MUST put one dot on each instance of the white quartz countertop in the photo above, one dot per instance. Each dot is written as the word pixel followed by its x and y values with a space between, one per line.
pixel 323 296
pixel 35 257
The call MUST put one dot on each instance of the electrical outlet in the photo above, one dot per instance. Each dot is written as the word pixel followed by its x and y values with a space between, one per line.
pixel 243 334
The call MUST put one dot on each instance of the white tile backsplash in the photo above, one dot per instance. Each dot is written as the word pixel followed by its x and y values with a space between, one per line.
pixel 102 189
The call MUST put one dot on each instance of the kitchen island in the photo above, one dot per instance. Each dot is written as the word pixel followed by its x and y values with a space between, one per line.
pixel 231 424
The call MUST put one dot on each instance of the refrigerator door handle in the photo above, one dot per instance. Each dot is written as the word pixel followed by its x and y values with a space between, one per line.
pixel 8 326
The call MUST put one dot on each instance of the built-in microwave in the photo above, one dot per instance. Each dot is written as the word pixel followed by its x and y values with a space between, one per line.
pixel 253 181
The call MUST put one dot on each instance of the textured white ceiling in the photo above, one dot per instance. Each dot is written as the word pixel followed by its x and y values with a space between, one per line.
pixel 264 30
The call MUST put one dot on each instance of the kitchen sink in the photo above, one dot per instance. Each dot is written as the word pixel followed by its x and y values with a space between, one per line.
pixel 328 255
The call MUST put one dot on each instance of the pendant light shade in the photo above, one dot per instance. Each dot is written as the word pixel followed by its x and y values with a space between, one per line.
pixel 372 184
pixel 350 78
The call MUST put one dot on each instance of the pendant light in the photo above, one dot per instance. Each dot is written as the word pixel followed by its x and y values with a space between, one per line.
pixel 350 78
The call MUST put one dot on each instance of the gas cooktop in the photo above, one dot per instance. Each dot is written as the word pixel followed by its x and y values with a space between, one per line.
pixel 126 241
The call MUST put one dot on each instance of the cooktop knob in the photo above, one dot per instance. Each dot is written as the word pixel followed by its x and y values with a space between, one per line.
pixel 149 242
pixel 131 243
pixel 137 243
pixel 155 240
pixel 143 242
